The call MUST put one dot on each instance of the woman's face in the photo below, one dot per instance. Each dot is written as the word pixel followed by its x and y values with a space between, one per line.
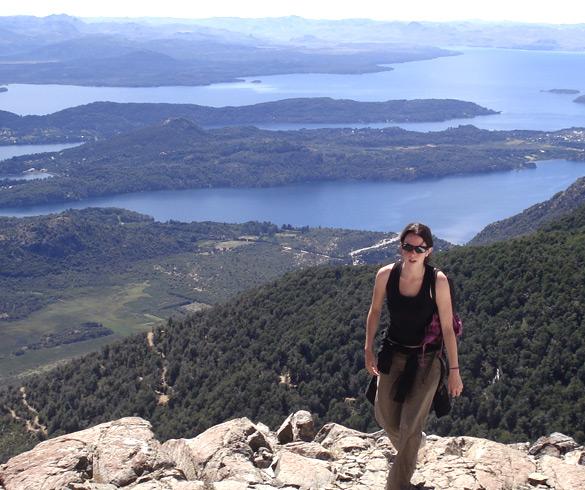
pixel 411 251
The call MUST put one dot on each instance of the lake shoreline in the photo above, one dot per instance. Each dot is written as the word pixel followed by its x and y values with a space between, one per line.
pixel 369 206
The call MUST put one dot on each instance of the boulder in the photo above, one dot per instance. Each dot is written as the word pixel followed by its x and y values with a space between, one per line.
pixel 562 475
pixel 113 453
pixel 225 451
pixel 472 463
pixel 575 457
pixel 309 450
pixel 339 439
pixel 125 450
pixel 298 426
pixel 556 444
pixel 304 473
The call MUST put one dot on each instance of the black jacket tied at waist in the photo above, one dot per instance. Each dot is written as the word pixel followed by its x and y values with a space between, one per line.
pixel 414 359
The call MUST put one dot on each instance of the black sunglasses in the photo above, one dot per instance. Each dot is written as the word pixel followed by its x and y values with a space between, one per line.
pixel 419 249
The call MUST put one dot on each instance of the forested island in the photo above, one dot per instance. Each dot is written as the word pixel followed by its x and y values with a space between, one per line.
pixel 178 154
pixel 297 343
pixel 580 99
pixel 3 89
pixel 562 91
pixel 100 120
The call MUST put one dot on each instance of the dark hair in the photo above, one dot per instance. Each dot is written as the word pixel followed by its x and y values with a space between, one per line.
pixel 420 230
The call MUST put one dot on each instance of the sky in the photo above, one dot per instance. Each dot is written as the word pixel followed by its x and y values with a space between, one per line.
pixel 531 11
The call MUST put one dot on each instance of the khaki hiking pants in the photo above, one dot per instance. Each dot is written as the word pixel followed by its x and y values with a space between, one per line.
pixel 403 422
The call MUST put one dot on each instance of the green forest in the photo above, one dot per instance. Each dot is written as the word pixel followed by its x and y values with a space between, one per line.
pixel 297 343
pixel 178 154
pixel 100 120
pixel 58 271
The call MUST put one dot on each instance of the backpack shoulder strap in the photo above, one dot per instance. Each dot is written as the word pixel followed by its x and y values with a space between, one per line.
pixel 393 278
pixel 433 288
pixel 433 284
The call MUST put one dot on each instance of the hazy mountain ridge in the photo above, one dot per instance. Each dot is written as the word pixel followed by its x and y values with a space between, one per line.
pixel 298 343
pixel 302 31
pixel 73 52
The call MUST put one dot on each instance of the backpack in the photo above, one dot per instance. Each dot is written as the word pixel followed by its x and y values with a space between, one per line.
pixel 433 332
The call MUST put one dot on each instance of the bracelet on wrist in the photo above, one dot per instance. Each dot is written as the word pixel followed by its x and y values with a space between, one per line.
pixel 456 367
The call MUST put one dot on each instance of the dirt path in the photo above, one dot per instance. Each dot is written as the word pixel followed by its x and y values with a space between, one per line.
pixel 164 394
pixel 32 425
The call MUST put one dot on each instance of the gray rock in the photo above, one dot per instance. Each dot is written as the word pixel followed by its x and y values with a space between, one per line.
pixel 340 440
pixel 472 463
pixel 310 450
pixel 240 455
pixel 304 473
pixel 285 432
pixel 562 475
pixel 263 458
pixel 221 452
pixel 125 450
pixel 555 444
pixel 537 479
pixel 575 457
pixel 298 426
pixel 115 452
pixel 91 486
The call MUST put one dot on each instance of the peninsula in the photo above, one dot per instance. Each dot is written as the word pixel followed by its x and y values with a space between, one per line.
pixel 178 154
pixel 100 120
pixel 567 91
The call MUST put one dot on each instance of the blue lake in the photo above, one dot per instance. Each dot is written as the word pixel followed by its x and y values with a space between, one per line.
pixel 455 207
pixel 510 81
pixel 7 152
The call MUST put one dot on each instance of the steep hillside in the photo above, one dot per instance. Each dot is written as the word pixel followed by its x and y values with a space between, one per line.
pixel 535 216
pixel 298 342
pixel 58 271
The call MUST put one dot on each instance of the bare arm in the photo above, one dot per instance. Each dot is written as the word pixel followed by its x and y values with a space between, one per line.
pixel 374 317
pixel 444 306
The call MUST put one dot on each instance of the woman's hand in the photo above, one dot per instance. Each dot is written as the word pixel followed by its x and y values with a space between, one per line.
pixel 371 362
pixel 455 385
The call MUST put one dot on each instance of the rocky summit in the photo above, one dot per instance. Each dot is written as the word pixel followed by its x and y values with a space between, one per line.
pixel 240 454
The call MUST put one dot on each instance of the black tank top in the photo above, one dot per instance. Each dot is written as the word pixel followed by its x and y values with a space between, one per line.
pixel 409 315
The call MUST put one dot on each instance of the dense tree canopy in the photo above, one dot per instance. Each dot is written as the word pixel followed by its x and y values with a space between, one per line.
pixel 298 343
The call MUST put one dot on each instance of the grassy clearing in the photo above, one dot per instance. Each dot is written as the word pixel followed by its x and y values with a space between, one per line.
pixel 230 244
pixel 12 368
pixel 114 307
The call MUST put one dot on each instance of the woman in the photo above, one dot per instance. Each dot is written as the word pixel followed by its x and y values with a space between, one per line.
pixel 407 380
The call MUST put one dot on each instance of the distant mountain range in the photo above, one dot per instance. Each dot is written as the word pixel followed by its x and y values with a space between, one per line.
pixel 66 50
pixel 313 32
pixel 153 52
